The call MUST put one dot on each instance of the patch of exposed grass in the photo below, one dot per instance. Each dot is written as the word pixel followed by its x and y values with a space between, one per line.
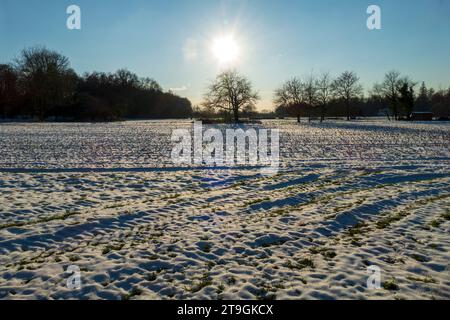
pixel 220 288
pixel 301 264
pixel 171 197
pixel 357 229
pixel 115 206
pixel 342 208
pixel 277 212
pixel 204 282
pixel 109 248
pixel 390 285
pixel 326 252
pixel 426 279
pixel 237 184
pixel 231 280
pixel 73 258
pixel 268 291
pixel 306 263
pixel 63 216
pixel 388 220
pixel 134 292
pixel 151 276
pixel 256 201
pixel 435 223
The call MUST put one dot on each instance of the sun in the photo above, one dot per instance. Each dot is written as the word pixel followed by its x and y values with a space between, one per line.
pixel 225 50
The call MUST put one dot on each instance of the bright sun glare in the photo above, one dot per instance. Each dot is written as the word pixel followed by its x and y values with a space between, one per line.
pixel 225 50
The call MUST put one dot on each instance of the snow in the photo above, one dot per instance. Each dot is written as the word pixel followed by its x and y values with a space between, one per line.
pixel 107 198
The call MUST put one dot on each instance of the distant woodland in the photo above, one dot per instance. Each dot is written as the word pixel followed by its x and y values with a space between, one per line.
pixel 40 85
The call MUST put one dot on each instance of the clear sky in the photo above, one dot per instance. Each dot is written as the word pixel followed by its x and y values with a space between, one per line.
pixel 171 40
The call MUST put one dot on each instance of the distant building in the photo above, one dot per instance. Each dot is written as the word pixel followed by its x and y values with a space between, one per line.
pixel 421 116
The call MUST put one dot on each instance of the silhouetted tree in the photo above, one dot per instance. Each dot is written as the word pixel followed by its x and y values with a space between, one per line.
pixel 423 99
pixel 149 84
pixel 347 88
pixel 310 94
pixel 407 98
pixel 389 89
pixel 290 97
pixel 232 93
pixel 125 79
pixel 42 84
pixel 325 93
pixel 440 103
pixel 374 104
pixel 46 78
pixel 123 95
pixel 8 90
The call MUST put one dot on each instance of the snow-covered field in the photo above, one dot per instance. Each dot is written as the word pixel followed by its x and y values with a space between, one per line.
pixel 107 198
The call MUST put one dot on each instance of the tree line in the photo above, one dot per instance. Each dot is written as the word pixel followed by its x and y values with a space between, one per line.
pixel 231 95
pixel 40 84
pixel 396 97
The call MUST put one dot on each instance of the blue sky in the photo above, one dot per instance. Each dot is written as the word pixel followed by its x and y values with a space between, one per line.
pixel 278 39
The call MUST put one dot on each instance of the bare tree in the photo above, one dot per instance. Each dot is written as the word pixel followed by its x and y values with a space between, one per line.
pixel 291 96
pixel 150 84
pixel 126 79
pixel 47 77
pixel 389 89
pixel 310 91
pixel 231 93
pixel 376 99
pixel 324 93
pixel 347 87
pixel 8 89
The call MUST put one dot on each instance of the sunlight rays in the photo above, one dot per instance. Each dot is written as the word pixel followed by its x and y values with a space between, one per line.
pixel 225 50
